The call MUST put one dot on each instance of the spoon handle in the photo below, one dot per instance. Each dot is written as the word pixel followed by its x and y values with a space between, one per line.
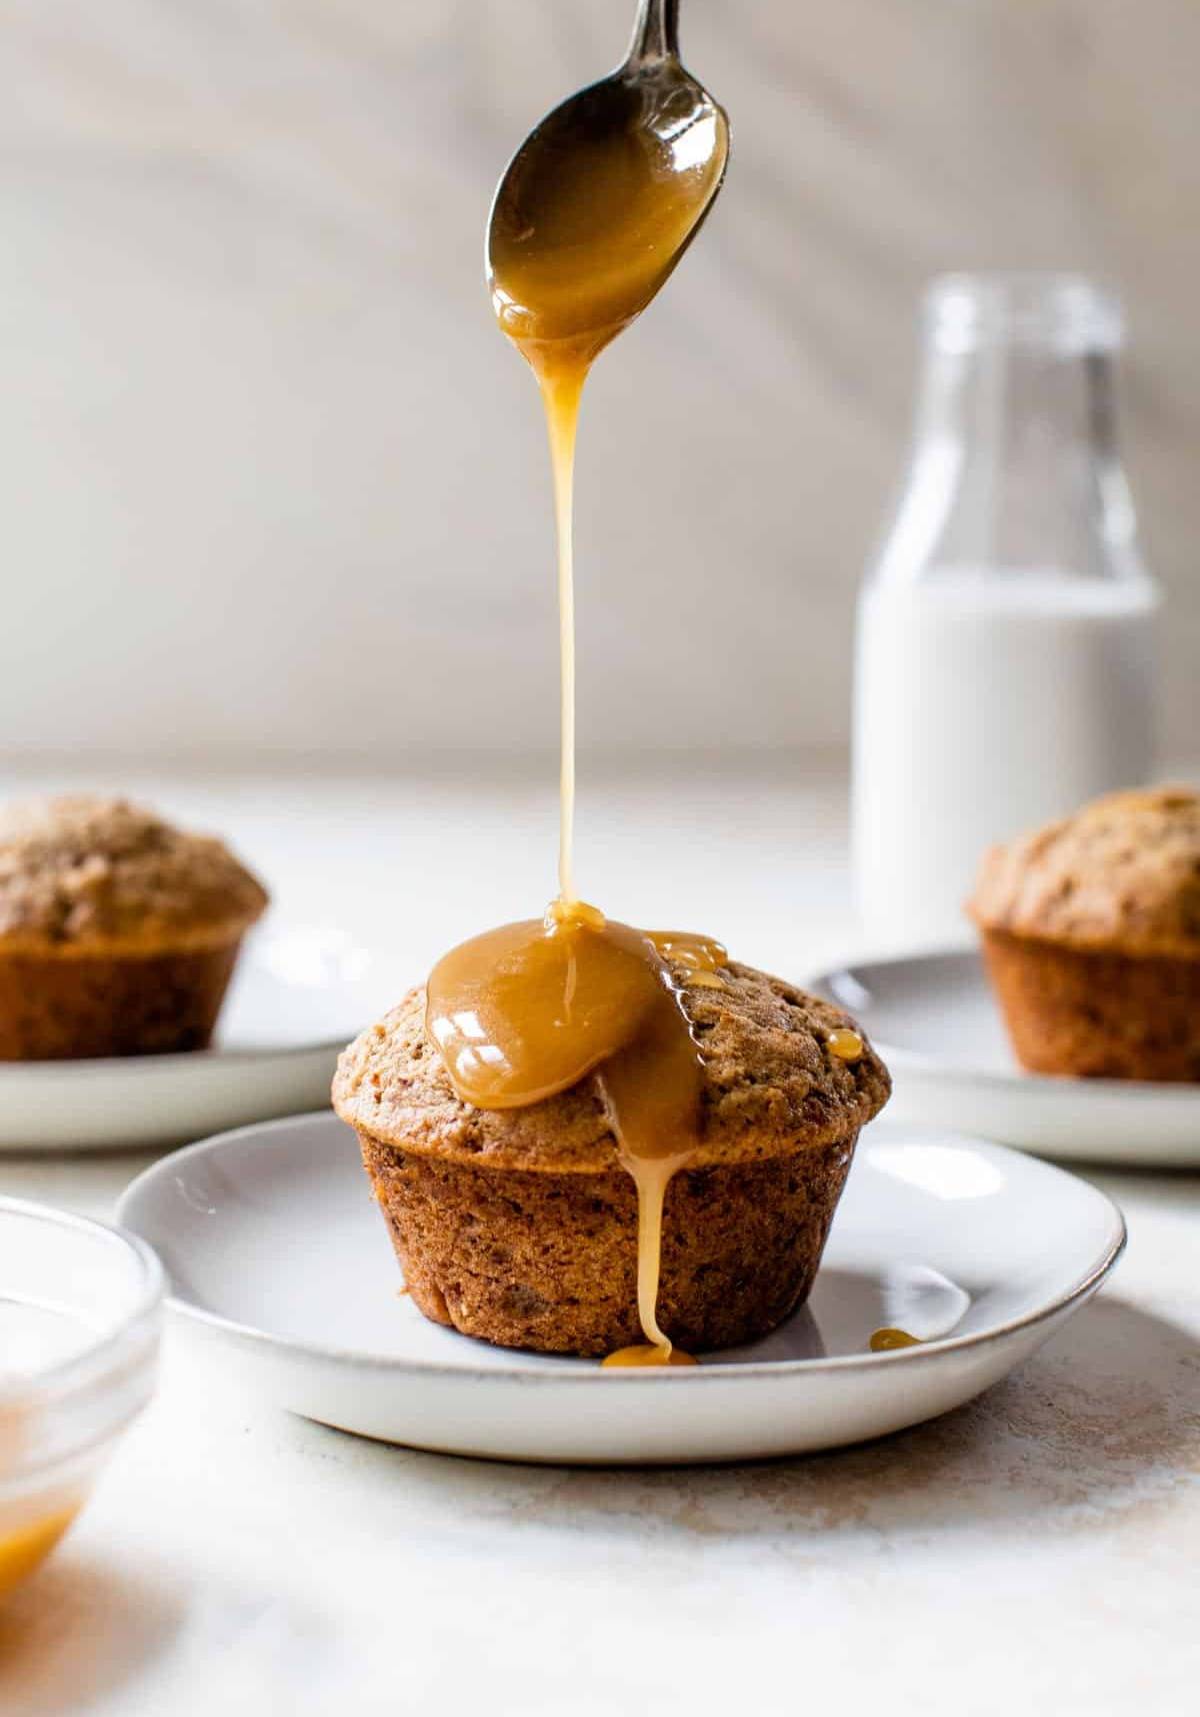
pixel 656 32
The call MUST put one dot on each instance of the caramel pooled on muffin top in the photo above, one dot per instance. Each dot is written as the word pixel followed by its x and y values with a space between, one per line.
pixel 769 1081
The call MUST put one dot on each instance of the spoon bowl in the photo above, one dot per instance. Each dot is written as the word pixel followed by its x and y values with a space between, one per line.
pixel 602 199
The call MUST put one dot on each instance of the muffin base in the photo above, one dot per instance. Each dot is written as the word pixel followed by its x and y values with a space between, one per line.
pixel 72 1007
pixel 548 1261
pixel 1098 1015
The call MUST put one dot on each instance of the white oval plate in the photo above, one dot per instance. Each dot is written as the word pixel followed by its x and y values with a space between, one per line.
pixel 297 997
pixel 274 1247
pixel 933 1020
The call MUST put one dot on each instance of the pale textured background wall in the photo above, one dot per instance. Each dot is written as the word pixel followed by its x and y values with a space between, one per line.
pixel 269 481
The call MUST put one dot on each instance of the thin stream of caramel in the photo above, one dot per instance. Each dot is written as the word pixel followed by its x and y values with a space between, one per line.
pixel 587 226
pixel 562 389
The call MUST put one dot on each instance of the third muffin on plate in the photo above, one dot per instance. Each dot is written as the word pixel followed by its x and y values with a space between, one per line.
pixel 520 1225
pixel 118 933
pixel 1091 934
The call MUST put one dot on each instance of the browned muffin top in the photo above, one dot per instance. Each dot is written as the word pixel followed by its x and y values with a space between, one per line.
pixel 82 872
pixel 770 1082
pixel 1123 873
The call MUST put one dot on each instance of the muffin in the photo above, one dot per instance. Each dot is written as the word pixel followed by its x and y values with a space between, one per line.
pixel 520 1225
pixel 1091 935
pixel 118 933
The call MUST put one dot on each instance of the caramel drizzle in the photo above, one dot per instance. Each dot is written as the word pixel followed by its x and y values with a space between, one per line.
pixel 561 394
pixel 578 246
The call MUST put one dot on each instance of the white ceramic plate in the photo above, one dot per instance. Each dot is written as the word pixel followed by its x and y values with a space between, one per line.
pixel 297 997
pixel 934 1022
pixel 274 1247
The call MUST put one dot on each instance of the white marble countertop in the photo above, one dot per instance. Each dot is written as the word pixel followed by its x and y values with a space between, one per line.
pixel 1036 1550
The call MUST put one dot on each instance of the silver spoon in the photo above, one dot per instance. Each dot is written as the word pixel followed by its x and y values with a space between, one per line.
pixel 601 200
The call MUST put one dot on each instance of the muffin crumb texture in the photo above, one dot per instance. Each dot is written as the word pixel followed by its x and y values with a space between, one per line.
pixel 80 873
pixel 549 1261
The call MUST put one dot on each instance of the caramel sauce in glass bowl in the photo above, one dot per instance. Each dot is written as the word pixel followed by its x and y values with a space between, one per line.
pixel 80 1310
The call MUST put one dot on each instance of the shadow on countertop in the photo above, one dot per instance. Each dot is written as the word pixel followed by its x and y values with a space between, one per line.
pixel 78 1630
pixel 1106 1416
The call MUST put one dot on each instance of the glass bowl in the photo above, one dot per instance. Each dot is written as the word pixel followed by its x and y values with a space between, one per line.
pixel 80 1317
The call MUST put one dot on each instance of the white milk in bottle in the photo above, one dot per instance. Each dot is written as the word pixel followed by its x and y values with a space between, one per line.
pixel 1005 659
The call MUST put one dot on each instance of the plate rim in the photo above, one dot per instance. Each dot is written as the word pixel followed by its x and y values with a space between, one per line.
pixel 526 1374
pixel 105 1066
pixel 1030 1084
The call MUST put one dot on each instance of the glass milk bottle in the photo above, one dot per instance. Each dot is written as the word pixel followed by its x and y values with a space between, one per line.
pixel 1005 664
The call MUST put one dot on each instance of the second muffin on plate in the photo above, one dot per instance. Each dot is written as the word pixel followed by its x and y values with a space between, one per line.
pixel 118 933
pixel 1091 933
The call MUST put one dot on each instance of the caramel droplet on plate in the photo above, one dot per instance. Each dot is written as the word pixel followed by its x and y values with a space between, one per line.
pixel 646 1354
pixel 888 1340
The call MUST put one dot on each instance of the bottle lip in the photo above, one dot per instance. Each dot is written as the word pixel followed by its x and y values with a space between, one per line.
pixel 1065 313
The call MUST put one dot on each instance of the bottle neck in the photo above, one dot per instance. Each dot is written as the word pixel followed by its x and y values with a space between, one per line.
pixel 1014 466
